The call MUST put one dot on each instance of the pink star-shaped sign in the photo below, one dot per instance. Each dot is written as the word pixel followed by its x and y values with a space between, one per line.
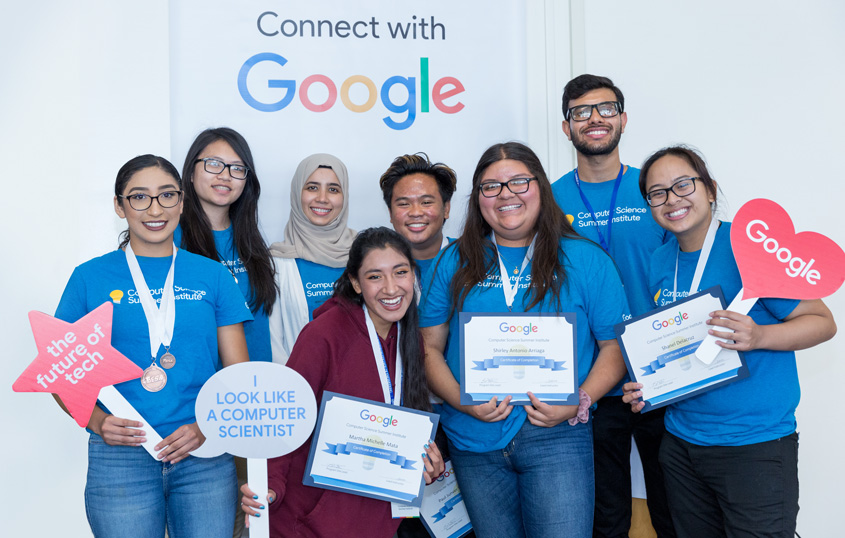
pixel 75 360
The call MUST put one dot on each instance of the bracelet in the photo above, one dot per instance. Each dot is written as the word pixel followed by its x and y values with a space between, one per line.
pixel 583 414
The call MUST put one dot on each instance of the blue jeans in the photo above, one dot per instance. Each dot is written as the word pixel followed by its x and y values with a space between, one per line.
pixel 540 485
pixel 131 494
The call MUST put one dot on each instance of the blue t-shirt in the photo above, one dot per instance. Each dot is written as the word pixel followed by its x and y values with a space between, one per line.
pixel 592 291
pixel 206 298
pixel 756 409
pixel 318 283
pixel 423 266
pixel 257 332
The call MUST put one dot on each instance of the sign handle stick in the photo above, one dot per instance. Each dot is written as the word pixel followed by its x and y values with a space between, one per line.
pixel 256 470
pixel 120 407
pixel 708 349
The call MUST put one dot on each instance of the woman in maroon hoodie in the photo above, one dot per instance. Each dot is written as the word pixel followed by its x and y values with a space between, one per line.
pixel 334 353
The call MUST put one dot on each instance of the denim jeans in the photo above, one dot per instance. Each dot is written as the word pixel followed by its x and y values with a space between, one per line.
pixel 539 486
pixel 130 494
pixel 746 491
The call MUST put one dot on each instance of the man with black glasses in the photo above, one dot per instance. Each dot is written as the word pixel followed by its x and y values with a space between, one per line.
pixel 601 199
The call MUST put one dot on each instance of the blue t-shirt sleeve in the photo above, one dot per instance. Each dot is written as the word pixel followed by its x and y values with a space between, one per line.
pixel 230 307
pixel 779 308
pixel 606 302
pixel 73 305
pixel 436 301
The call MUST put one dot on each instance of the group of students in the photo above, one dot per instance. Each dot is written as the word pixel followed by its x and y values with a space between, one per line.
pixel 326 298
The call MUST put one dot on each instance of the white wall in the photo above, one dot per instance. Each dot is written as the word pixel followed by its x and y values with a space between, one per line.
pixel 86 86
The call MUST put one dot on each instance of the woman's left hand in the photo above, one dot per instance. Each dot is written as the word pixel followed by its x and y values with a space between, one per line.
pixel 545 415
pixel 179 444
pixel 746 333
pixel 433 461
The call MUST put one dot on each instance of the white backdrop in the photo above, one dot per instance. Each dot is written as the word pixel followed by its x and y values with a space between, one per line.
pixel 755 85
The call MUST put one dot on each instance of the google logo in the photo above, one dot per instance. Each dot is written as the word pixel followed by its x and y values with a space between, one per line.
pixel 677 320
pixel 384 421
pixel 443 89
pixel 524 329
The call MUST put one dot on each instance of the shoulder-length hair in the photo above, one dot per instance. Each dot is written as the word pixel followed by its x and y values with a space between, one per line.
pixel 414 385
pixel 476 252
pixel 197 236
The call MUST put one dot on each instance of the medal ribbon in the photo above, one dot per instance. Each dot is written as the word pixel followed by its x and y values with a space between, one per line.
pixel 390 396
pixel 160 319
pixel 702 260
pixel 605 244
pixel 507 289
pixel 417 288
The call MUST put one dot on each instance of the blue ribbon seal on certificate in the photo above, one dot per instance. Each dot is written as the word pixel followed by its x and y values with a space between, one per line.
pixel 666 358
pixel 519 360
pixel 447 507
pixel 372 451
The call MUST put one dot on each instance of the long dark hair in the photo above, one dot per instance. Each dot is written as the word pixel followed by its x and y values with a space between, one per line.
pixel 415 391
pixel 197 236
pixel 476 253
pixel 132 167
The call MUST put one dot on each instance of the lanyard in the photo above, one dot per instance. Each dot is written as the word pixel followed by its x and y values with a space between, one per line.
pixel 605 244
pixel 160 319
pixel 417 288
pixel 702 260
pixel 383 371
pixel 507 289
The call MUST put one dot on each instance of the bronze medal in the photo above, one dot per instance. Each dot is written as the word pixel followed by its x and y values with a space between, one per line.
pixel 167 361
pixel 154 379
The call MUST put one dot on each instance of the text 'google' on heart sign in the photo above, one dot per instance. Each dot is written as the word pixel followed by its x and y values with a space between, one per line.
pixel 774 261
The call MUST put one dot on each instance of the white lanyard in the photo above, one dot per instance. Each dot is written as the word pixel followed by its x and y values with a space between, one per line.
pixel 390 396
pixel 507 289
pixel 417 289
pixel 160 319
pixel 702 260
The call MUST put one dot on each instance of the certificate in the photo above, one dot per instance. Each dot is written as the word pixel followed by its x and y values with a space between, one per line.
pixel 659 350
pixel 443 512
pixel 370 449
pixel 511 354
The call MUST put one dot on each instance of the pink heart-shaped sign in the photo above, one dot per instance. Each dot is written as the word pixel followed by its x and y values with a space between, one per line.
pixel 774 261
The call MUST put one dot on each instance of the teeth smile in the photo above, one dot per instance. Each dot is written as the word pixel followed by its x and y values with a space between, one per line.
pixel 510 207
pixel 679 212
pixel 417 226
pixel 155 224
pixel 390 302
pixel 222 188
pixel 321 211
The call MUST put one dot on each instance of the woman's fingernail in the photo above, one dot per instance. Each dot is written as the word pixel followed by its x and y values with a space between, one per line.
pixel 255 497
pixel 261 507
pixel 423 455
pixel 425 446
pixel 257 514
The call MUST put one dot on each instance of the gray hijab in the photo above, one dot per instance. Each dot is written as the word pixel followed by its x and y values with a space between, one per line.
pixel 327 245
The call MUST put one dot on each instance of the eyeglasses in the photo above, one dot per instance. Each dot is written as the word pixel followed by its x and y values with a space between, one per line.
pixel 607 109
pixel 517 185
pixel 142 202
pixel 682 188
pixel 216 166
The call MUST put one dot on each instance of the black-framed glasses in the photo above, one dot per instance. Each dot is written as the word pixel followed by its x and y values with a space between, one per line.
pixel 682 188
pixel 517 185
pixel 216 166
pixel 141 202
pixel 607 109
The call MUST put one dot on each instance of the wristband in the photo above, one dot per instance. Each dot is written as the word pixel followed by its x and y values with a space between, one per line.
pixel 583 414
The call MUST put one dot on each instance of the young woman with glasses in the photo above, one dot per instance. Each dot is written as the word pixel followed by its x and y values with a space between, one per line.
pixel 129 491
pixel 373 307
pixel 315 249
pixel 523 470
pixel 730 455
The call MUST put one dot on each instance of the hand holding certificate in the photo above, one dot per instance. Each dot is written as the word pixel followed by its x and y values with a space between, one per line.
pixel 369 448
pixel 513 354
pixel 659 351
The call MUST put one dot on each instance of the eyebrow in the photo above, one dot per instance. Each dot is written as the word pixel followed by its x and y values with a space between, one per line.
pixel 677 179
pixel 215 157
pixel 319 184
pixel 397 266
pixel 421 196
pixel 161 188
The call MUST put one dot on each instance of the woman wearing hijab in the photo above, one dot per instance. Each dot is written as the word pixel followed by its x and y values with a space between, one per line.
pixel 315 250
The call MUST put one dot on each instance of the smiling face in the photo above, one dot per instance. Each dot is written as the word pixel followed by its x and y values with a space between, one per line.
pixel 150 230
pixel 596 136
pixel 322 197
pixel 417 212
pixel 686 217
pixel 513 217
pixel 386 283
pixel 216 191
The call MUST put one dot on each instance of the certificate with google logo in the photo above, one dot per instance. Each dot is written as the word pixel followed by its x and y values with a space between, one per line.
pixel 659 350
pixel 370 449
pixel 511 354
